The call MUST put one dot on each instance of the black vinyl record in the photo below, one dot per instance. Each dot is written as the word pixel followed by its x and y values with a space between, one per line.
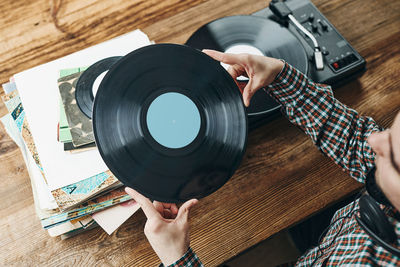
pixel 148 104
pixel 266 36
pixel 84 92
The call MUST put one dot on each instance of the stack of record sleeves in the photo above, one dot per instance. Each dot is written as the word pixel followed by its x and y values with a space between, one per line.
pixel 72 187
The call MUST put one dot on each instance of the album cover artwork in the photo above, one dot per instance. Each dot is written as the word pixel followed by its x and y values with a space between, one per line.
pixel 69 147
pixel 71 226
pixel 72 195
pixel 65 197
pixel 107 200
pixel 14 106
pixel 63 134
pixel 79 125
pixel 63 127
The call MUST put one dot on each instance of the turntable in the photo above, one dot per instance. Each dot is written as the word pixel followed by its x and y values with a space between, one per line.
pixel 292 30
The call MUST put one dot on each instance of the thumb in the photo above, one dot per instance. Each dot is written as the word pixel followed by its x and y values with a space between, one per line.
pixel 183 212
pixel 248 92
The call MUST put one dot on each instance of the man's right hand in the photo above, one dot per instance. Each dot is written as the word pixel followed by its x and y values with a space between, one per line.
pixel 260 70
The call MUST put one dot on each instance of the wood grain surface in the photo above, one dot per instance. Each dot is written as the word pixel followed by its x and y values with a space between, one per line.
pixel 282 180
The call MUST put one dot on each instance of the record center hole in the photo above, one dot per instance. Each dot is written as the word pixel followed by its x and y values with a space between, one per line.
pixel 97 82
pixel 173 120
pixel 242 49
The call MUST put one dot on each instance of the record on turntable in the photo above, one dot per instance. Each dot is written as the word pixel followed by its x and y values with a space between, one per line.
pixel 253 35
pixel 169 122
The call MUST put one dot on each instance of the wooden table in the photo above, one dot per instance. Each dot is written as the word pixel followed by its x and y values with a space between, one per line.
pixel 282 180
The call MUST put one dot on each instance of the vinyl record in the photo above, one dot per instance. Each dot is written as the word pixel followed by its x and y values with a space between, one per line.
pixel 84 87
pixel 169 122
pixel 253 35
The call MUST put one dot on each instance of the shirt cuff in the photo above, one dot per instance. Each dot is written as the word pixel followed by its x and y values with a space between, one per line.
pixel 290 85
pixel 190 259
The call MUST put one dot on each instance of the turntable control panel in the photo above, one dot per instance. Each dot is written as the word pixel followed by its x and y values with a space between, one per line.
pixel 341 60
pixel 338 54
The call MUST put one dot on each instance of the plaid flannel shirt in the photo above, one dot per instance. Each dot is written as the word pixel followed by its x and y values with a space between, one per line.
pixel 340 133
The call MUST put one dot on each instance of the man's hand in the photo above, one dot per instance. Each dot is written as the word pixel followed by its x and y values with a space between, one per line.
pixel 260 70
pixel 167 227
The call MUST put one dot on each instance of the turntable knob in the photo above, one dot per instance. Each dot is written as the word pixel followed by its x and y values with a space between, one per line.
pixel 323 24
pixel 314 27
pixel 311 17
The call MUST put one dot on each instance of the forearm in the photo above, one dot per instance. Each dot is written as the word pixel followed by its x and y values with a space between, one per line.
pixel 338 131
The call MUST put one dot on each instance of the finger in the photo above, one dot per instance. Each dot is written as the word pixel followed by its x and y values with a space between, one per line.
pixel 174 209
pixel 168 214
pixel 223 57
pixel 183 213
pixel 162 207
pixel 236 71
pixel 146 205
pixel 167 205
pixel 232 72
pixel 170 206
pixel 159 207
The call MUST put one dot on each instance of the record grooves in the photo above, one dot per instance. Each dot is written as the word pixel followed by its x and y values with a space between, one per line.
pixel 258 34
pixel 135 96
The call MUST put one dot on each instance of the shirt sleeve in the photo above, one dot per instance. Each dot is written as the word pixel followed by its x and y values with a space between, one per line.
pixel 338 131
pixel 190 259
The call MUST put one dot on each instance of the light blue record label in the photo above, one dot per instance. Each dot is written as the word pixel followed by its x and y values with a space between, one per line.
pixel 173 120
